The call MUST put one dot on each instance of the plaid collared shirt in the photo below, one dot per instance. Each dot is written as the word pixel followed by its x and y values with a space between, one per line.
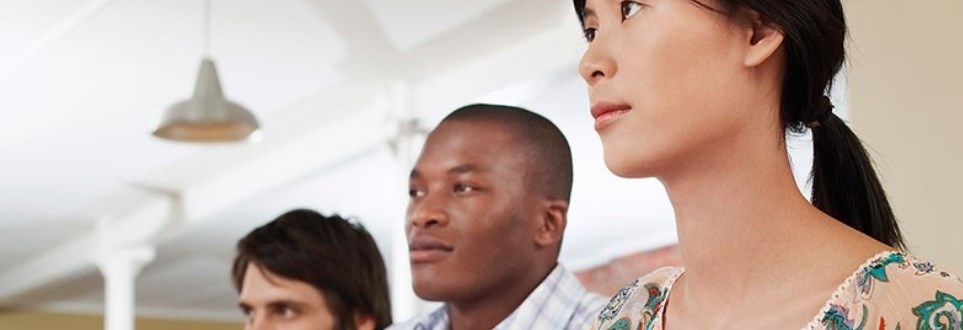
pixel 559 302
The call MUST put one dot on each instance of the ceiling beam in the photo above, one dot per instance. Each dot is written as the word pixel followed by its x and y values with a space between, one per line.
pixel 512 23
pixel 54 34
pixel 546 53
pixel 370 52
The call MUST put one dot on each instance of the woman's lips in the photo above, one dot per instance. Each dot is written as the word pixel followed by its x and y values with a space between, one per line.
pixel 606 113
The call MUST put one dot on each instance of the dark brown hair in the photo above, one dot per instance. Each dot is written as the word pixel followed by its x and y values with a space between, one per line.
pixel 336 257
pixel 845 185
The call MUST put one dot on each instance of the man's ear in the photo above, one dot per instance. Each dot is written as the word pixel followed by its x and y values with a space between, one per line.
pixel 364 322
pixel 764 38
pixel 551 222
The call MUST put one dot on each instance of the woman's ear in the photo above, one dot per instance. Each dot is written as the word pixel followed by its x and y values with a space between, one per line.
pixel 764 38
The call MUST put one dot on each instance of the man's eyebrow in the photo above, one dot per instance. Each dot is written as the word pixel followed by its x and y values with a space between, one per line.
pixel 285 302
pixel 464 168
pixel 460 169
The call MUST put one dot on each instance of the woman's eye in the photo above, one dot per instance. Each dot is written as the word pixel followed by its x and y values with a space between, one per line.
pixel 630 8
pixel 590 34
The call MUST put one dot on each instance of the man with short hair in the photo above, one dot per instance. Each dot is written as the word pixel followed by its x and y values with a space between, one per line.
pixel 307 271
pixel 489 197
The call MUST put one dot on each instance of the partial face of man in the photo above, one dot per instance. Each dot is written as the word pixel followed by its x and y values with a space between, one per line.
pixel 469 217
pixel 272 302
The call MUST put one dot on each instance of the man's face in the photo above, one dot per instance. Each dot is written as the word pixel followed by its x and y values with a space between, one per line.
pixel 469 219
pixel 273 302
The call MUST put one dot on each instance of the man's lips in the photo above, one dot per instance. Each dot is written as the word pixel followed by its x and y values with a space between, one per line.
pixel 423 249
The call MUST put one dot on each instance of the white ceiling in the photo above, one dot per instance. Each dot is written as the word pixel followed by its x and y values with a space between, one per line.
pixel 408 24
pixel 82 83
pixel 81 106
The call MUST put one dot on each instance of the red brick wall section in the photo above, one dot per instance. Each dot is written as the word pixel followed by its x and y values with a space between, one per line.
pixel 610 277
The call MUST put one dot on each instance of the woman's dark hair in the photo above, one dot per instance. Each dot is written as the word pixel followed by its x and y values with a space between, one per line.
pixel 845 186
pixel 336 257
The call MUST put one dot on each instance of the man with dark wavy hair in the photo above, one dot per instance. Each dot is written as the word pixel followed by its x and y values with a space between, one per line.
pixel 308 271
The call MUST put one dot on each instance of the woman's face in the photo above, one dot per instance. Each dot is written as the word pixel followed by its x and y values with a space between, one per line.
pixel 668 82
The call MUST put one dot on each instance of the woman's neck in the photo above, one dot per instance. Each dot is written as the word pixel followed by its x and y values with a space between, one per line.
pixel 735 213
pixel 745 228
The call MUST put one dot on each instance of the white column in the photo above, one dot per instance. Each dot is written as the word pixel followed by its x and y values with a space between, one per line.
pixel 406 145
pixel 120 269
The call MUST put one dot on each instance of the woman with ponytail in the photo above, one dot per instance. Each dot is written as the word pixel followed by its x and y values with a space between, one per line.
pixel 701 94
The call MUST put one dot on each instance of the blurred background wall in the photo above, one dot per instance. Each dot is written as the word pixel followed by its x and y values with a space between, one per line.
pixel 907 100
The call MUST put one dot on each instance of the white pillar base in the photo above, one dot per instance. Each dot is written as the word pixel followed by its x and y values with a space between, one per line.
pixel 120 269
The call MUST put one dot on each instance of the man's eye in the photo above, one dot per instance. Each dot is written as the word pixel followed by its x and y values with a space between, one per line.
pixel 415 192
pixel 463 188
pixel 286 312
pixel 629 9
pixel 590 34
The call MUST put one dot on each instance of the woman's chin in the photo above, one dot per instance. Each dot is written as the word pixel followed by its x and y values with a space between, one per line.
pixel 626 167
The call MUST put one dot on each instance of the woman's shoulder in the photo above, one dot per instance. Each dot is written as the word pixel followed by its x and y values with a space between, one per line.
pixel 640 302
pixel 895 290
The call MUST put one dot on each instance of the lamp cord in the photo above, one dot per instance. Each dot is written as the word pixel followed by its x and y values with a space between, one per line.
pixel 207 28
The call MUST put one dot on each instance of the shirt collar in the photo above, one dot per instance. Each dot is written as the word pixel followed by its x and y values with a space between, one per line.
pixel 554 301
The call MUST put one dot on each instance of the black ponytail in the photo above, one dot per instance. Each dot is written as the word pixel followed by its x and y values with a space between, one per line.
pixel 845 186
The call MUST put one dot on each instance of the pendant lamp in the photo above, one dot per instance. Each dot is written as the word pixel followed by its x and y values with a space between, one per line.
pixel 207 116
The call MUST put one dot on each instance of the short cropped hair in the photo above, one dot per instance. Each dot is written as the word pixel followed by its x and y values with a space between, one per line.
pixel 547 152
pixel 335 256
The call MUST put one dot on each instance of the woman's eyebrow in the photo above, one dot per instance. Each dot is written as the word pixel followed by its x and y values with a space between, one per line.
pixel 588 12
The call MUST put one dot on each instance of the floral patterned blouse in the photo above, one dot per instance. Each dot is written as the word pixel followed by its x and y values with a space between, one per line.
pixel 892 290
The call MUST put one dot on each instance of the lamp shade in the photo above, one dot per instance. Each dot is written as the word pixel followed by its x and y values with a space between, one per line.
pixel 207 116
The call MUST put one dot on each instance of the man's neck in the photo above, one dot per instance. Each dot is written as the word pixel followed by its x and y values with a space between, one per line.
pixel 488 311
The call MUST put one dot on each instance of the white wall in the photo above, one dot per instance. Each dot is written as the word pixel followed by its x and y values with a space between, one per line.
pixel 907 105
